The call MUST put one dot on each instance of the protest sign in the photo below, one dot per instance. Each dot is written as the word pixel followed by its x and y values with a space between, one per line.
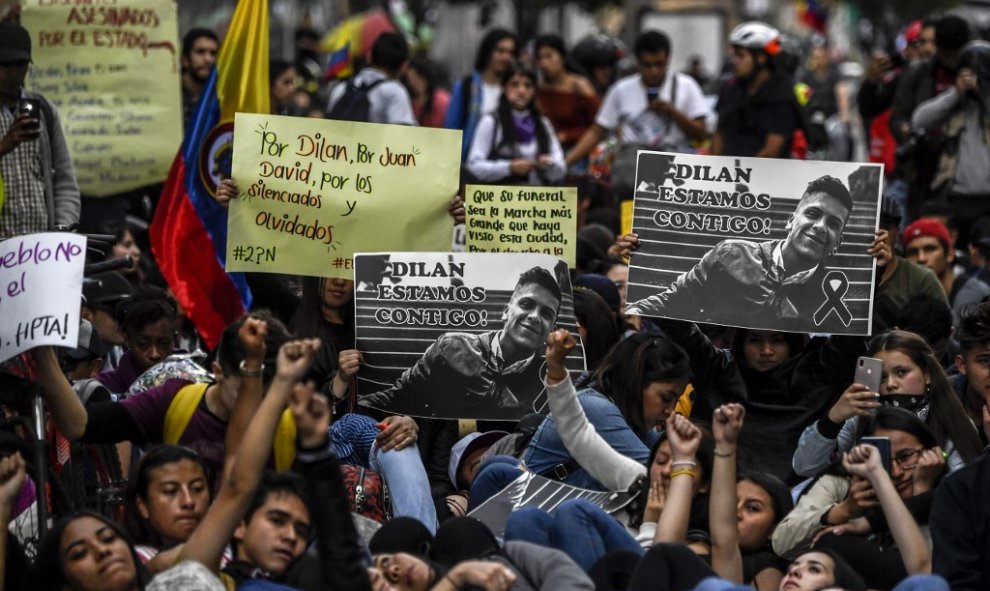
pixel 625 217
pixel 531 490
pixel 522 219
pixel 459 335
pixel 314 192
pixel 755 243
pixel 40 289
pixel 112 71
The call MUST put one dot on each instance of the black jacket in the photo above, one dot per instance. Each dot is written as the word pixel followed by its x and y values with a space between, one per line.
pixel 960 520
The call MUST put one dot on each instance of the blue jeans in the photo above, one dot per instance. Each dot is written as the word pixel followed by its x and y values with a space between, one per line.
pixel 913 583
pixel 546 450
pixel 353 439
pixel 578 528
pixel 494 474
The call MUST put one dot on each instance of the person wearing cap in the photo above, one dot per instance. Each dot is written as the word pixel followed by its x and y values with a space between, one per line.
pixel 757 110
pixel 651 109
pixel 40 182
pixel 101 294
pixel 927 243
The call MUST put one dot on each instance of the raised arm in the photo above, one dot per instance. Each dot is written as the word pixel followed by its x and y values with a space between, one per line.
pixel 864 461
pixel 685 438
pixel 582 441
pixel 723 504
pixel 12 471
pixel 207 543
pixel 249 390
pixel 61 400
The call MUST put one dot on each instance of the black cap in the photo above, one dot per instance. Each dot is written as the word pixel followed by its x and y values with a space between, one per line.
pixel 15 43
pixel 89 345
pixel 106 288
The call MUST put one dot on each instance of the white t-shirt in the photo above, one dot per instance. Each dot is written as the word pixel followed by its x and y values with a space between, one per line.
pixel 489 98
pixel 625 110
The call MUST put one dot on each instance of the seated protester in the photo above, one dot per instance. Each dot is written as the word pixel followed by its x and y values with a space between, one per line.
pixel 516 144
pixel 838 501
pixel 166 499
pixel 465 553
pixel 632 391
pixel 743 513
pixel 959 525
pixel 147 320
pixel 973 363
pixel 914 380
pixel 585 532
pixel 193 415
pixel 86 551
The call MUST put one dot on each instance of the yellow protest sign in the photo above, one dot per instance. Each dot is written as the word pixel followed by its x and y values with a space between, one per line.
pixel 522 219
pixel 112 71
pixel 313 192
pixel 626 216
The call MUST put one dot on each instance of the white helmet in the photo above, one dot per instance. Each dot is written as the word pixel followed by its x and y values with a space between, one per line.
pixel 756 35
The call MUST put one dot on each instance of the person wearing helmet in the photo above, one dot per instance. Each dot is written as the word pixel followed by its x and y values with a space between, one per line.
pixel 650 110
pixel 960 114
pixel 758 112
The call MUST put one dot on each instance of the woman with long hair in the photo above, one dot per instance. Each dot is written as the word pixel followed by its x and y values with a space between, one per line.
pixel 913 379
pixel 516 143
pixel 567 99
pixel 429 101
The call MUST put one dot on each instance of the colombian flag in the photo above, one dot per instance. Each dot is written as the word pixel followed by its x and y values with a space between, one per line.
pixel 813 13
pixel 189 229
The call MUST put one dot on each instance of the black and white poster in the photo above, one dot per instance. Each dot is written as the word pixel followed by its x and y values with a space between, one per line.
pixel 755 243
pixel 531 490
pixel 459 335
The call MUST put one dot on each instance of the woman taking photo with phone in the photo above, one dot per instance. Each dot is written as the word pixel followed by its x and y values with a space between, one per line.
pixel 913 380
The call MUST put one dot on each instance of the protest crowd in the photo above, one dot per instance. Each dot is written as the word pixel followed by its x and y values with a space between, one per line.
pixel 234 430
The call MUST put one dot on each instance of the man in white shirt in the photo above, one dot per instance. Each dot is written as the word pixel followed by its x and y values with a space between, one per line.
pixel 651 109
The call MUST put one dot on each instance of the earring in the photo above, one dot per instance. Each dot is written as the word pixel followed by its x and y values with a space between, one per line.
pixel 928 388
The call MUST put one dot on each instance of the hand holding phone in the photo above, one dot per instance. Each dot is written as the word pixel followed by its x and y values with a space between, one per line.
pixel 869 372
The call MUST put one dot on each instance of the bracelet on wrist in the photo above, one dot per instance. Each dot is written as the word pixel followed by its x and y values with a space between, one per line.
pixel 682 472
pixel 722 454
pixel 243 370
pixel 690 463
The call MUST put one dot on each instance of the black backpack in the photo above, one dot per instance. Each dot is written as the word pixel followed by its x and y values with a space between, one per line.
pixel 354 105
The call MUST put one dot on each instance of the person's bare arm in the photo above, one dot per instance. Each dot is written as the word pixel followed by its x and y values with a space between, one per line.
pixel 773 148
pixel 727 421
pixel 249 391
pixel 718 144
pixel 588 141
pixel 62 402
pixel 864 461
pixel 685 438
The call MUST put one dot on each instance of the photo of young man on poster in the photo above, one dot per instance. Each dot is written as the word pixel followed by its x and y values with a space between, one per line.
pixel 493 374
pixel 774 283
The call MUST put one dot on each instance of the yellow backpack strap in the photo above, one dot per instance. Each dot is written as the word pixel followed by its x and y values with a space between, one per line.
pixel 685 402
pixel 181 410
pixel 285 442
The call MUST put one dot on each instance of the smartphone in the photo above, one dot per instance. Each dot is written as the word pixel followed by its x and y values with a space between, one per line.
pixel 869 372
pixel 31 108
pixel 883 446
pixel 652 94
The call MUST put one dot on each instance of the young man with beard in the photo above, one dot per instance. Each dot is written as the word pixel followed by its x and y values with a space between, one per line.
pixel 199 53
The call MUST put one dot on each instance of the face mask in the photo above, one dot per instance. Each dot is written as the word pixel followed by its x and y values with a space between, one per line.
pixel 918 404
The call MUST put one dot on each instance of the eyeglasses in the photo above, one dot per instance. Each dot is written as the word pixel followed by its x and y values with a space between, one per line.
pixel 908 458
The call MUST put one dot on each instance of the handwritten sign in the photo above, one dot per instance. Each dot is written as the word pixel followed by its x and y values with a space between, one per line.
pixel 522 219
pixel 313 192
pixel 112 71
pixel 40 289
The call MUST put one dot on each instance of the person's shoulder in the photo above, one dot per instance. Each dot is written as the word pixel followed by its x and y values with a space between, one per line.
pixel 731 246
pixel 627 84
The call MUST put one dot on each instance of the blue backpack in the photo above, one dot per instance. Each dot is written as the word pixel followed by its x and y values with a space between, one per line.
pixel 354 105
